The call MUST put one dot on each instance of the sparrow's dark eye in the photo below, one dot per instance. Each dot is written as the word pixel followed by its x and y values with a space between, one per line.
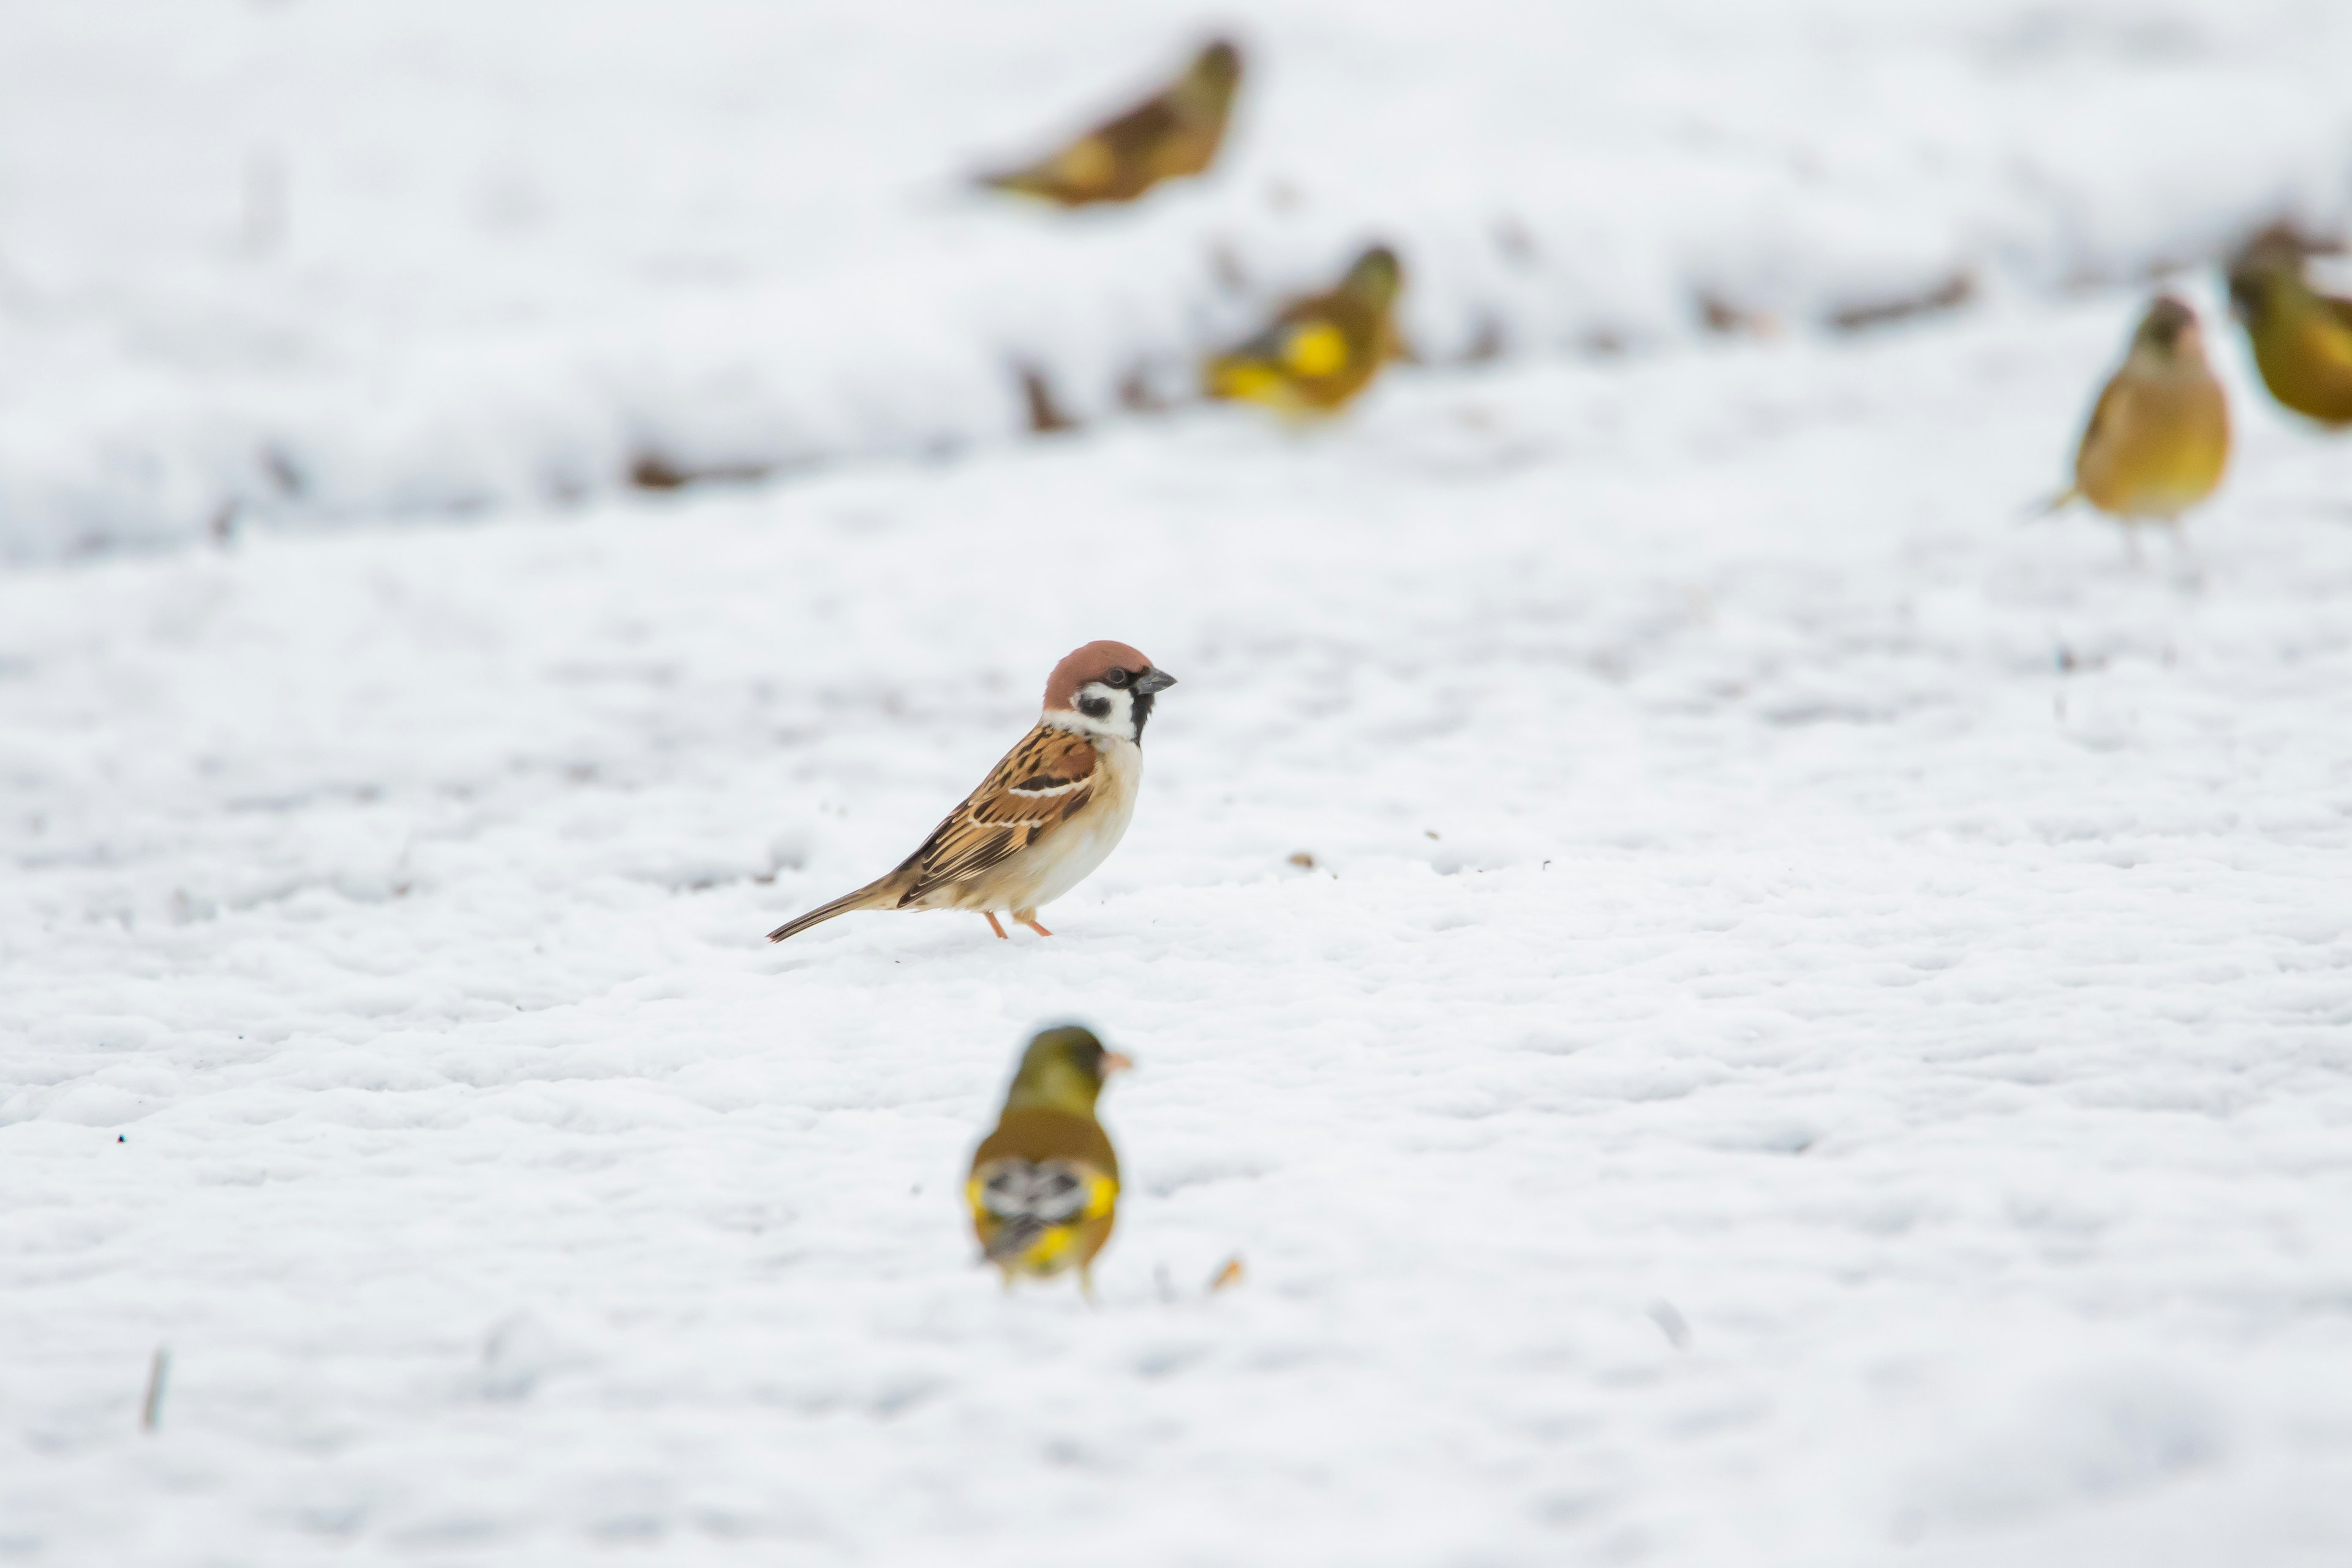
pixel 1116 678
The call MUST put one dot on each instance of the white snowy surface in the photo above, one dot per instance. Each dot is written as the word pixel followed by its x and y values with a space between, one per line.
pixel 327 258
pixel 1767 890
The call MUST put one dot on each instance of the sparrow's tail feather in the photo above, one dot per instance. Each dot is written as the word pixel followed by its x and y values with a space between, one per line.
pixel 877 894
pixel 2058 502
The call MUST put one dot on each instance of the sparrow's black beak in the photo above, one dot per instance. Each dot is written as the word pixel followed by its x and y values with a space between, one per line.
pixel 1154 680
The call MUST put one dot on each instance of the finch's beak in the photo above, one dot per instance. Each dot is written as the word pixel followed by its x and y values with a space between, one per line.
pixel 1117 1061
pixel 1154 680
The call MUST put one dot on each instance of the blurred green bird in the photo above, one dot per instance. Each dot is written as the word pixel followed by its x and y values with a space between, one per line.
pixel 2302 339
pixel 2158 438
pixel 1321 351
pixel 1044 1187
pixel 1173 134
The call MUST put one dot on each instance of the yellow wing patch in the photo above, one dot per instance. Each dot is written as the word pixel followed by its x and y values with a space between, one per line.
pixel 1248 381
pixel 1029 1217
pixel 1315 349
pixel 1086 164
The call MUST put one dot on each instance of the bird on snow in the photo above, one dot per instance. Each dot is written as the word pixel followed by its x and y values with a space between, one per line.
pixel 2302 339
pixel 1046 816
pixel 2159 438
pixel 1320 350
pixel 1173 134
pixel 1044 1187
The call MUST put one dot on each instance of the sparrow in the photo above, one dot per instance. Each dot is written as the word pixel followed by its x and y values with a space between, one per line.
pixel 1045 816
pixel 1044 1187
pixel 1173 133
pixel 2159 435
pixel 2302 339
pixel 1321 351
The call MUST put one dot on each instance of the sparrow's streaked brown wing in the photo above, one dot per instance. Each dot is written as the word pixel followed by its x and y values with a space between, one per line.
pixel 1047 777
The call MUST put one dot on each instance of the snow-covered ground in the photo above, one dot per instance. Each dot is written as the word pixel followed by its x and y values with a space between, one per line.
pixel 1819 1031
pixel 336 258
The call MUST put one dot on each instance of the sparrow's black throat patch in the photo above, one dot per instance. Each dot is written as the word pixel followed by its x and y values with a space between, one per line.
pixel 1140 705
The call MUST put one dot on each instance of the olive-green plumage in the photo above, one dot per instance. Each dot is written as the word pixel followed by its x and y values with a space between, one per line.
pixel 2159 440
pixel 2302 339
pixel 1321 351
pixel 1044 1187
pixel 1173 134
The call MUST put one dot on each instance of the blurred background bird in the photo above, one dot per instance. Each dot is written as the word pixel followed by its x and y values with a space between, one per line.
pixel 1321 351
pixel 1044 1189
pixel 2302 339
pixel 1173 134
pixel 2158 438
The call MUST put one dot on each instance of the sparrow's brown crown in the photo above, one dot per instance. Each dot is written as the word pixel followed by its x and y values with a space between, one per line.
pixel 1092 662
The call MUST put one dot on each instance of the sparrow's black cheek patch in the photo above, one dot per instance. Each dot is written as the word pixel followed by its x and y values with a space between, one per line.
pixel 1094 707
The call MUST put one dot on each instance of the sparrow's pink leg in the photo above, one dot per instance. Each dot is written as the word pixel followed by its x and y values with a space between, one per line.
pixel 990 916
pixel 1029 918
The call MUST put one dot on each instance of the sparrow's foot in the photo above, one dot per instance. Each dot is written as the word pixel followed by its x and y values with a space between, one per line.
pixel 1029 918
pixel 990 916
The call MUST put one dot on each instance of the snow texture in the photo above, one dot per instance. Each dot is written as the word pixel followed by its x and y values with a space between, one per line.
pixel 1741 998
pixel 326 259
pixel 1819 1025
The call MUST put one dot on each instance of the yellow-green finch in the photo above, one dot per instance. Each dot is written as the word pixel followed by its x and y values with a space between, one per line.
pixel 1173 134
pixel 1320 350
pixel 2159 436
pixel 1044 1189
pixel 2302 339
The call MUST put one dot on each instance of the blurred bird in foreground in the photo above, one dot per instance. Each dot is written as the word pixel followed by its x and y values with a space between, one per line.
pixel 2302 339
pixel 1321 351
pixel 1173 134
pixel 2159 436
pixel 1044 1189
pixel 1045 816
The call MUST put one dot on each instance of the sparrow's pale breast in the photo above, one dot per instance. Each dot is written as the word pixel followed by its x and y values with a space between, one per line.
pixel 1068 857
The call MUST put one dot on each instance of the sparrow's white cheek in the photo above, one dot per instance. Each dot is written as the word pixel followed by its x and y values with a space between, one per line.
pixel 1107 711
